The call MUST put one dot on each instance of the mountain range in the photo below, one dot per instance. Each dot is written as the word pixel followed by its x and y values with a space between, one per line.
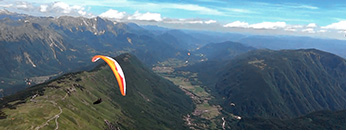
pixel 38 47
pixel 176 79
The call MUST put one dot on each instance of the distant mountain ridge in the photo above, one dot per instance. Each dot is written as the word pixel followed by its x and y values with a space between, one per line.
pixel 294 42
pixel 224 50
pixel 282 84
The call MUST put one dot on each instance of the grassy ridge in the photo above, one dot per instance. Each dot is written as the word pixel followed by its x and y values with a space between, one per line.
pixel 151 102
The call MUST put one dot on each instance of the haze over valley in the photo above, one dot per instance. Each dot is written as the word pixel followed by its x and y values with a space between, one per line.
pixel 181 72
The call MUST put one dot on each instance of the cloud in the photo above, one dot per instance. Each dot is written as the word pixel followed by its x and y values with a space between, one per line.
pixel 43 8
pixel 192 7
pixel 322 31
pixel 311 25
pixel 341 25
pixel 65 8
pixel 6 5
pixel 237 24
pixel 46 9
pixel 145 16
pixel 150 17
pixel 210 21
pixel 237 10
pixel 113 14
pixel 294 28
pixel 20 5
pixel 306 7
pixel 290 29
pixel 263 25
pixel 61 8
pixel 308 30
pixel 268 25
pixel 154 7
pixel 188 21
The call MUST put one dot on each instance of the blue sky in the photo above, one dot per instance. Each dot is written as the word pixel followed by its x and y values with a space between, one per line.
pixel 309 17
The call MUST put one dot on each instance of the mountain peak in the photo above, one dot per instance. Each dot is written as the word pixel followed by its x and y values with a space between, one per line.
pixel 4 11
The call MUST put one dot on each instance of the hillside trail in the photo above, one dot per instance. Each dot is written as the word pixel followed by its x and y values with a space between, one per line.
pixel 54 117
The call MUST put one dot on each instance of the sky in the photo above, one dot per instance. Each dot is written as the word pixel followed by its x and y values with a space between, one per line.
pixel 315 18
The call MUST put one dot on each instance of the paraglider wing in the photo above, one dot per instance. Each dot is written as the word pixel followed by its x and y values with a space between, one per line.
pixel 115 67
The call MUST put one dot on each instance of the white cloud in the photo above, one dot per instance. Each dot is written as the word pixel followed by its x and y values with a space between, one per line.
pixel 342 31
pixel 191 7
pixel 263 25
pixel 65 8
pixel 81 12
pixel 62 6
pixel 6 5
pixel 146 16
pixel 155 7
pixel 189 21
pixel 194 22
pixel 23 6
pixel 290 29
pixel 268 25
pixel 43 8
pixel 307 7
pixel 210 21
pixel 237 24
pixel 341 25
pixel 311 25
pixel 149 16
pixel 113 14
pixel 308 30
pixel 322 31
pixel 237 10
pixel 296 26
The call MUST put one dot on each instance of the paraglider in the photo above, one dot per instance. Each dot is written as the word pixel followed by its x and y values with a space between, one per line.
pixel 115 67
pixel 187 60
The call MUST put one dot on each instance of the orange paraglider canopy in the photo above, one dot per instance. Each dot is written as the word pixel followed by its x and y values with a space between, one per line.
pixel 116 68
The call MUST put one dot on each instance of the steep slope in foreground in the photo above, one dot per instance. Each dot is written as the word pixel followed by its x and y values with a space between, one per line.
pixel 283 84
pixel 67 102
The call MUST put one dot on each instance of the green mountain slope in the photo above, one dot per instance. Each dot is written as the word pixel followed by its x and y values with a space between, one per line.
pixel 282 84
pixel 151 101
pixel 321 120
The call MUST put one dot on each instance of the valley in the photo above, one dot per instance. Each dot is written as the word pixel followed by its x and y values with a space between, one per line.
pixel 177 79
pixel 201 99
pixel 206 115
